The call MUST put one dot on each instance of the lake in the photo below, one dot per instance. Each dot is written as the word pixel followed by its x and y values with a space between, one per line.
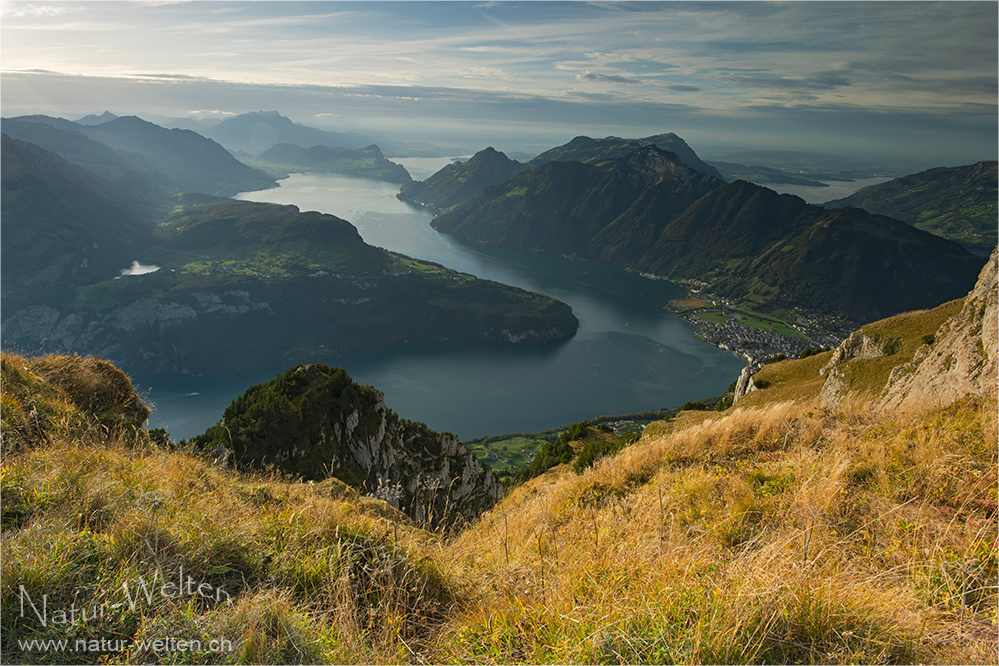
pixel 628 355
pixel 835 189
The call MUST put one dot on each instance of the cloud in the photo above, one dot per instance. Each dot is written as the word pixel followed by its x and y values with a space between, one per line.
pixel 816 81
pixel 11 10
pixel 211 113
pixel 593 64
pixel 678 87
pixel 606 78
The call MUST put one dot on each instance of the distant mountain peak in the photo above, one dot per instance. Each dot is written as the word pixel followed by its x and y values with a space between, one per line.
pixel 271 117
pixel 131 121
pixel 459 181
pixel 257 131
pixel 591 151
pixel 92 119
pixel 489 154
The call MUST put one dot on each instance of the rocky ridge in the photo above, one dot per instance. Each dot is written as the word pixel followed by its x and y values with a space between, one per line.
pixel 314 422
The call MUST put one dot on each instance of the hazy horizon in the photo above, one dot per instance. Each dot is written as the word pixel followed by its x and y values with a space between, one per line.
pixel 912 82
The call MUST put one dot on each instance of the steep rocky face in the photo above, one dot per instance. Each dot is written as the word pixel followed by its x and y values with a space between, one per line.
pixel 956 360
pixel 315 422
pixel 858 345
pixel 744 384
pixel 961 361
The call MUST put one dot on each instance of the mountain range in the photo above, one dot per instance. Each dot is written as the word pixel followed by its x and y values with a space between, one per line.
pixel 566 207
pixel 593 151
pixel 222 285
pixel 258 131
pixel 649 205
pixel 153 162
pixel 460 181
pixel 650 211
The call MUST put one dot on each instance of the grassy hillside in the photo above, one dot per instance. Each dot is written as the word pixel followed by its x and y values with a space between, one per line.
pixel 245 285
pixel 770 534
pixel 772 252
pixel 958 203
pixel 283 571
pixel 773 532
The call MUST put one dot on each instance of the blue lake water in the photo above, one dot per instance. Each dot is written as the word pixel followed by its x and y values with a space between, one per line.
pixel 629 354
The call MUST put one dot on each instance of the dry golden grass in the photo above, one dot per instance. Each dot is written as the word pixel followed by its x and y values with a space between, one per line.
pixel 313 578
pixel 772 532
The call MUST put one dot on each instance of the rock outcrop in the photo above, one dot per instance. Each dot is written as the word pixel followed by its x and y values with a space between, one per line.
pixel 857 346
pixel 314 422
pixel 744 384
pixel 961 361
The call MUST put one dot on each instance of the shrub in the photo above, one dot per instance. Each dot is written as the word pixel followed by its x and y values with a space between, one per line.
pixel 595 449
pixel 891 346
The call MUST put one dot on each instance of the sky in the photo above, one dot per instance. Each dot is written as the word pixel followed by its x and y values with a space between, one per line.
pixel 889 80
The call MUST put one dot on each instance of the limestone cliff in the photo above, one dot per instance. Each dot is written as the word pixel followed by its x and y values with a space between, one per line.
pixel 315 422
pixel 744 384
pixel 961 361
pixel 857 346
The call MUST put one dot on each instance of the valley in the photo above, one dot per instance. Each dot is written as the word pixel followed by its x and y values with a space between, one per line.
pixel 499 333
pixel 196 252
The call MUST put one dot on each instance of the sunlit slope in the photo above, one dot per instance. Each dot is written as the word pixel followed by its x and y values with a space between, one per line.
pixel 777 533
pixel 958 203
